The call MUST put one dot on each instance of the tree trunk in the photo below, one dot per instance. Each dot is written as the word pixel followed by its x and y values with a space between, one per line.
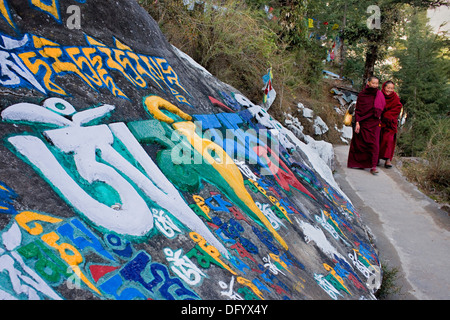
pixel 371 58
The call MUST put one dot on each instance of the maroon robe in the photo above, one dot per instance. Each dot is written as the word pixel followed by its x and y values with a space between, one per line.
pixel 389 120
pixel 364 147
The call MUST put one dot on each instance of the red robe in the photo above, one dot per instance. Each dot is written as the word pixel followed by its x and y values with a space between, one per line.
pixel 364 147
pixel 389 120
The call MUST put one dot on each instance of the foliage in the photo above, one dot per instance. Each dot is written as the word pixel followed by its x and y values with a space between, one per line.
pixel 231 44
pixel 423 77
pixel 432 174
pixel 423 83
pixel 425 92
pixel 355 32
pixel 437 173
pixel 388 285
pixel 237 44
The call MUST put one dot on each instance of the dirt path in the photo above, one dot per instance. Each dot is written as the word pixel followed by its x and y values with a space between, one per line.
pixel 410 231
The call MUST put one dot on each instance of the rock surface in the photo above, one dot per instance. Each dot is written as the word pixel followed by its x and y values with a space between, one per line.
pixel 114 183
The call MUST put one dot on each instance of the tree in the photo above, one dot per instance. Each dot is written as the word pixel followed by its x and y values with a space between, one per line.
pixel 374 25
pixel 360 22
pixel 422 75
pixel 423 81
pixel 390 16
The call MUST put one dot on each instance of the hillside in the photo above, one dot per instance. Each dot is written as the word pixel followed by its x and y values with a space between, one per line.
pixel 127 171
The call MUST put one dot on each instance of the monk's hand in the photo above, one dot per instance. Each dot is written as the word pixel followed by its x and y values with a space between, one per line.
pixel 357 128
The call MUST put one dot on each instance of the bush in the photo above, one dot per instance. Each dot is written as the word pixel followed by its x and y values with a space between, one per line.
pixel 429 139
pixel 237 44
pixel 231 44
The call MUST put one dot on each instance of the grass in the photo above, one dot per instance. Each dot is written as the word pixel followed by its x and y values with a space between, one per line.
pixel 430 171
pixel 388 284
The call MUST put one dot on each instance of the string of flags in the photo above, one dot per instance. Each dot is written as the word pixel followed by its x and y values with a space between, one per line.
pixel 311 21
pixel 269 11
pixel 332 52
pixel 322 35
pixel 316 31
pixel 269 92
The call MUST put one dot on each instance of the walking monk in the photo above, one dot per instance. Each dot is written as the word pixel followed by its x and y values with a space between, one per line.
pixel 389 121
pixel 365 144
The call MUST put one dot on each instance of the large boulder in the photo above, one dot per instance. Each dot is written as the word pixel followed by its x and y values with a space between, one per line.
pixel 114 182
